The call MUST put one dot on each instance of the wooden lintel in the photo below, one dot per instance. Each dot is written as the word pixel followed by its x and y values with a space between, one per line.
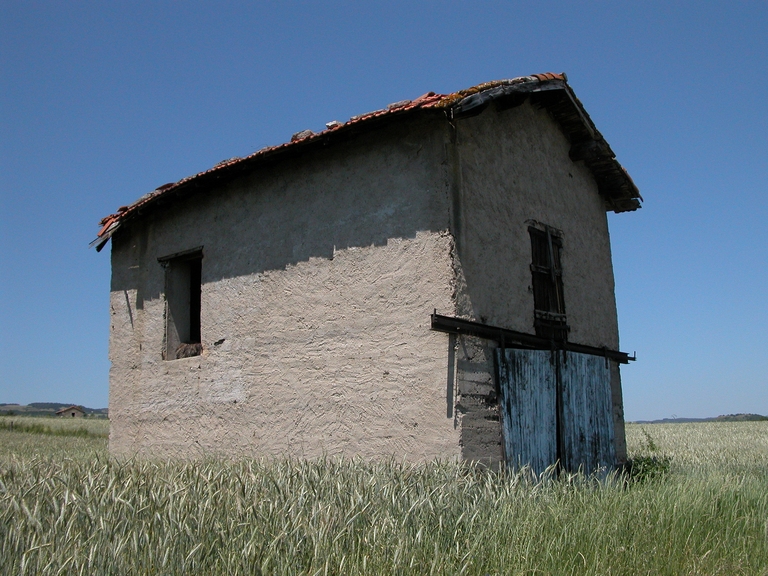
pixel 190 254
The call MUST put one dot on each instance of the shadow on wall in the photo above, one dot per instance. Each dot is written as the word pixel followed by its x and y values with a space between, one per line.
pixel 384 185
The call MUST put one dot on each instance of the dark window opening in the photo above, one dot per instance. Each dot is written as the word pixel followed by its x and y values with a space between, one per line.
pixel 547 275
pixel 195 294
pixel 183 291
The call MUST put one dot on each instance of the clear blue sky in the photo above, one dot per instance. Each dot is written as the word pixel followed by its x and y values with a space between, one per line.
pixel 103 102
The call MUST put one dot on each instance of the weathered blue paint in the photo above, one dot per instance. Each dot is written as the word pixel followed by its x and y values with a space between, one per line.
pixel 530 383
pixel 528 403
pixel 587 422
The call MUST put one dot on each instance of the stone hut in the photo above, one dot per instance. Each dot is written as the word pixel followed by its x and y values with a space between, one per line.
pixel 429 280
pixel 70 412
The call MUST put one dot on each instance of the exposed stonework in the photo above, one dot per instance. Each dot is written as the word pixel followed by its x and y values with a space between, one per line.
pixel 477 405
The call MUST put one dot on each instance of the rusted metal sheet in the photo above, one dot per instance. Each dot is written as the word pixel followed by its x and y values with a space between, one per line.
pixel 555 407
pixel 587 423
pixel 528 406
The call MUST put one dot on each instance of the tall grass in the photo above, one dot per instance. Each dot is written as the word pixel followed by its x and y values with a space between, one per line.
pixel 55 426
pixel 711 447
pixel 91 515
pixel 23 445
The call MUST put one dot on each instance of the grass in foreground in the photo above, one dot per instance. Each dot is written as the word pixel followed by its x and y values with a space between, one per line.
pixel 89 514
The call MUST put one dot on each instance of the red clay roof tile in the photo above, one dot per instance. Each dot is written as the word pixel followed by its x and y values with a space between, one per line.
pixel 430 100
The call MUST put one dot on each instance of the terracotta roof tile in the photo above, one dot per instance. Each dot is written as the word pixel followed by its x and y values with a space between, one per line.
pixel 430 100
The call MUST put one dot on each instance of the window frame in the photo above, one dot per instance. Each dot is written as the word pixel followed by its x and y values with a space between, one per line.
pixel 182 336
pixel 549 314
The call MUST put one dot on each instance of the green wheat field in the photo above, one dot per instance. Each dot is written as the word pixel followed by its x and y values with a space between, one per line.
pixel 696 503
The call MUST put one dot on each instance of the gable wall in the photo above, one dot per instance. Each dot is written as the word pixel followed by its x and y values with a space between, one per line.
pixel 319 276
pixel 514 167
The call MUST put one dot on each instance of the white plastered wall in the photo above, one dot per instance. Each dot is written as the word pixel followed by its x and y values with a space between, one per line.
pixel 319 276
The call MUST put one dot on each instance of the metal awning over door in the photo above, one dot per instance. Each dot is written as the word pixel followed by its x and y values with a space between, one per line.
pixel 555 406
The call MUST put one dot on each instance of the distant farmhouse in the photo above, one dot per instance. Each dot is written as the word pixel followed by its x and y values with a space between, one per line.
pixel 71 412
pixel 429 280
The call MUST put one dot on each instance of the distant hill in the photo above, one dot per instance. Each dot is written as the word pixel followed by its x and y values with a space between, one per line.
pixel 48 405
pixel 46 409
pixel 724 418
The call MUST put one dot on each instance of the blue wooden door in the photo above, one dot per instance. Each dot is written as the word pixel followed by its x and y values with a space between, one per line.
pixel 555 407
pixel 528 408
pixel 587 422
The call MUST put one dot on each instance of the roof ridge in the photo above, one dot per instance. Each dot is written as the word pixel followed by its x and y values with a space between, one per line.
pixel 429 100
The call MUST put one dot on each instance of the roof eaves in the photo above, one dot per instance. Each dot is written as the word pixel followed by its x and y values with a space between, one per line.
pixel 111 223
pixel 588 144
pixel 463 103
pixel 552 92
pixel 60 410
